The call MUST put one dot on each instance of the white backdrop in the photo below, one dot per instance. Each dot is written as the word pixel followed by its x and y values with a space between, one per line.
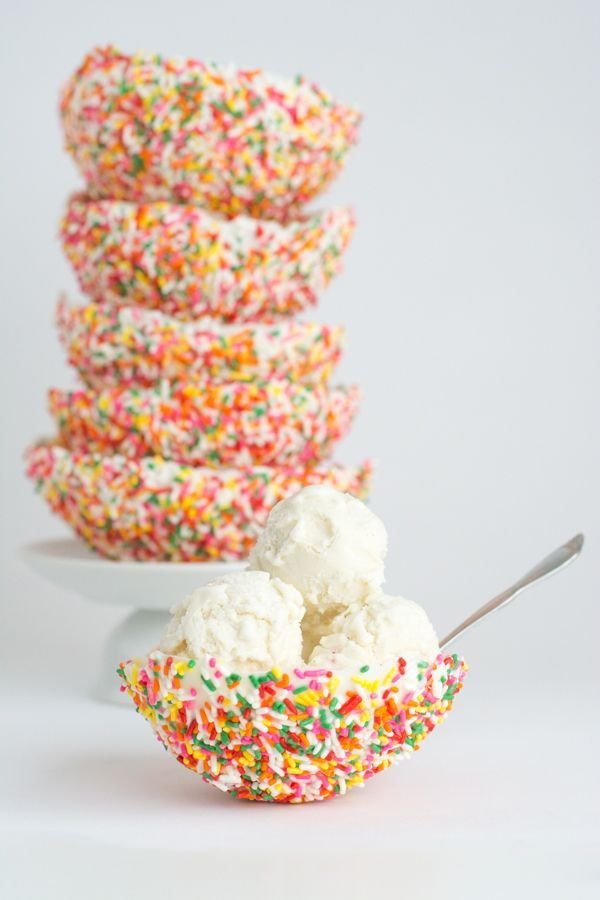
pixel 470 293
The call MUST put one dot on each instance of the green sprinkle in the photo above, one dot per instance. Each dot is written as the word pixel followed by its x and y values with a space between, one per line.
pixel 364 669
pixel 324 720
pixel 191 663
pixel 209 684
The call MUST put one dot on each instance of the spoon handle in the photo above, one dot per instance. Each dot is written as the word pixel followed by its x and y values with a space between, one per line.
pixel 561 557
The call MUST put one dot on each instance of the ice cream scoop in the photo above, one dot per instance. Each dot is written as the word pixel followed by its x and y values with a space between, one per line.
pixel 329 545
pixel 248 619
pixel 377 632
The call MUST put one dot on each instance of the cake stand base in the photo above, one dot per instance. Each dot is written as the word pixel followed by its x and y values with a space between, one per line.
pixel 149 589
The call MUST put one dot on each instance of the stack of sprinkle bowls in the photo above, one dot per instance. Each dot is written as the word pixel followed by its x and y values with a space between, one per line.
pixel 205 401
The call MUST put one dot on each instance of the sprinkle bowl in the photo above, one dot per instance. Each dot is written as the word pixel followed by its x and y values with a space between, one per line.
pixel 156 509
pixel 188 263
pixel 144 127
pixel 232 424
pixel 136 347
pixel 290 737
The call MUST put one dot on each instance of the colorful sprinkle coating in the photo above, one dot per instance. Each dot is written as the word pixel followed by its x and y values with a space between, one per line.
pixel 187 263
pixel 234 424
pixel 154 509
pixel 144 127
pixel 135 347
pixel 289 738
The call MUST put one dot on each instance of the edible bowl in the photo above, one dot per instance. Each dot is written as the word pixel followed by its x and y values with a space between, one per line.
pixel 290 737
pixel 156 509
pixel 137 347
pixel 144 127
pixel 186 262
pixel 231 424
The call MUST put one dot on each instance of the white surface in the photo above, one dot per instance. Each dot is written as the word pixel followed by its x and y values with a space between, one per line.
pixel 471 298
pixel 490 807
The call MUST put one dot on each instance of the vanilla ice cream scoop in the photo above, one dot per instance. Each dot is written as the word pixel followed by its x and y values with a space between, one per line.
pixel 377 633
pixel 248 621
pixel 328 544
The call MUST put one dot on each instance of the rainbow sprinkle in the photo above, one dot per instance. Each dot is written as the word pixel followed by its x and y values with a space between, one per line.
pixel 185 262
pixel 289 738
pixel 237 424
pixel 136 347
pixel 156 509
pixel 144 127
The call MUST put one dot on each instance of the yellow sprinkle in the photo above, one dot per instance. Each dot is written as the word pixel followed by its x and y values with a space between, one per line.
pixel 368 685
pixel 333 684
pixel 388 677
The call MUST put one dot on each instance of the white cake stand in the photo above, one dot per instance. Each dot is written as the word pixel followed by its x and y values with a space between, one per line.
pixel 149 588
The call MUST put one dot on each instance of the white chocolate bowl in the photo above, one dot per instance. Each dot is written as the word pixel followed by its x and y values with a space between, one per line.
pixel 136 347
pixel 188 263
pixel 290 737
pixel 232 424
pixel 144 127
pixel 156 509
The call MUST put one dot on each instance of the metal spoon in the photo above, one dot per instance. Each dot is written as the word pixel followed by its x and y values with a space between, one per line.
pixel 548 566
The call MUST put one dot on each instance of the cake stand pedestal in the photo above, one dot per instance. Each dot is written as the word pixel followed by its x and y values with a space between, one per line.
pixel 149 589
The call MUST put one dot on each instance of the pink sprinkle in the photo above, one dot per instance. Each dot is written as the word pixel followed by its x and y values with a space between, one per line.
pixel 314 685
pixel 408 696
pixel 212 662
pixel 314 673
